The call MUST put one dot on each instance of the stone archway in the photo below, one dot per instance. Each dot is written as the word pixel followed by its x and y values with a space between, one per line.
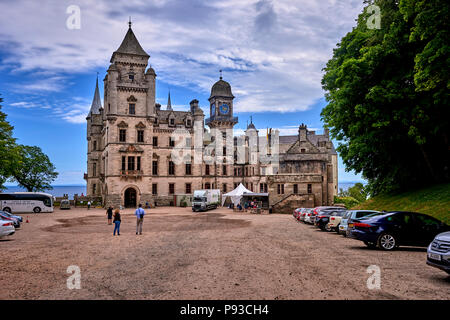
pixel 130 198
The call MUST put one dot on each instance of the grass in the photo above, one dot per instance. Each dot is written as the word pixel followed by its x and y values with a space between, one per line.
pixel 434 201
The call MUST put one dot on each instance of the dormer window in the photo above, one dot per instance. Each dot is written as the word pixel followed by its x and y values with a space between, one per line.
pixel 172 122
pixel 188 122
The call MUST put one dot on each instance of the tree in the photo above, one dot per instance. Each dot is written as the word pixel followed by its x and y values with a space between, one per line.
pixel 34 172
pixel 8 149
pixel 358 192
pixel 387 94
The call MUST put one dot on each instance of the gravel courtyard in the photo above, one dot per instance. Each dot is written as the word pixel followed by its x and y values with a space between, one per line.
pixel 219 254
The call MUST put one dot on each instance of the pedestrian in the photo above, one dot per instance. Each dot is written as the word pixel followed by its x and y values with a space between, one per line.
pixel 140 219
pixel 117 221
pixel 109 213
pixel 89 204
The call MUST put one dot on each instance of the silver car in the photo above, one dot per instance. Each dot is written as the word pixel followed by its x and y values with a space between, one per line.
pixel 6 228
pixel 438 252
pixel 350 215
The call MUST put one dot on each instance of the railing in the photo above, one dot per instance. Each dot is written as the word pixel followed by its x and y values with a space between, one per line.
pixel 131 173
pixel 221 118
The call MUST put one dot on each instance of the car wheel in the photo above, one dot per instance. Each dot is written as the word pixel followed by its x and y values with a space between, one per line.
pixel 37 210
pixel 387 242
pixel 337 228
pixel 7 209
pixel 327 227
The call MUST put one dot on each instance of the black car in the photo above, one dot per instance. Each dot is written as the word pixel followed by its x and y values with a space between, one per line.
pixel 397 228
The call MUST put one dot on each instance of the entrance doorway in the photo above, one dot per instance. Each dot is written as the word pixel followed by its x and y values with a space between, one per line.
pixel 130 198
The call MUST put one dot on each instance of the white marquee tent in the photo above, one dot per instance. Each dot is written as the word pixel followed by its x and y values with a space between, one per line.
pixel 236 194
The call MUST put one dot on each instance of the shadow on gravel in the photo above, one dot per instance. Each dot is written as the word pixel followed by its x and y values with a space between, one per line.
pixel 406 249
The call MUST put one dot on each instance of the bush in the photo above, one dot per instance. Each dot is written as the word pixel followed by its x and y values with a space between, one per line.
pixel 349 202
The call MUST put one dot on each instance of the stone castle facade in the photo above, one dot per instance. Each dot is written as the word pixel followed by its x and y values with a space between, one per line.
pixel 134 146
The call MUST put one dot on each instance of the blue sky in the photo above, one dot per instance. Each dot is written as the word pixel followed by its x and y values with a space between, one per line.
pixel 271 52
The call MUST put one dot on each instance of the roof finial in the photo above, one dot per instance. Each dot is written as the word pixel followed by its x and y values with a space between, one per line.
pixel 251 119
pixel 220 74
pixel 129 23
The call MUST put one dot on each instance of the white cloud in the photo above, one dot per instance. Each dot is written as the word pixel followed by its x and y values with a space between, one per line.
pixel 272 52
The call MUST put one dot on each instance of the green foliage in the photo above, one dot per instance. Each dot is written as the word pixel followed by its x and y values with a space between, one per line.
pixel 349 202
pixel 34 171
pixel 8 149
pixel 387 93
pixel 434 201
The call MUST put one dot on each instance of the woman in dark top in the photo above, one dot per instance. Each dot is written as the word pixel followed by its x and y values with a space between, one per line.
pixel 109 212
pixel 117 222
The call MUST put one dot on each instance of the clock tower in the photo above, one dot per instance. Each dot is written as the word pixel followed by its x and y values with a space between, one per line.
pixel 221 106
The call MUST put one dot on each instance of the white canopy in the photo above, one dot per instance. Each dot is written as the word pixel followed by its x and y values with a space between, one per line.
pixel 236 194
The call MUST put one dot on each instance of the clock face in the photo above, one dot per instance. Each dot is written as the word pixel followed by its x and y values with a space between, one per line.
pixel 224 108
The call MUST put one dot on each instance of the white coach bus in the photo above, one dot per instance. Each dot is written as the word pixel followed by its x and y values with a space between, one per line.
pixel 26 202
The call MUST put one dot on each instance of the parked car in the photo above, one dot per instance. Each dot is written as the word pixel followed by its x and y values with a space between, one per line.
pixel 392 229
pixel 65 204
pixel 308 216
pixel 351 215
pixel 6 216
pixel 335 220
pixel 318 210
pixel 303 214
pixel 322 219
pixel 438 252
pixel 13 216
pixel 6 228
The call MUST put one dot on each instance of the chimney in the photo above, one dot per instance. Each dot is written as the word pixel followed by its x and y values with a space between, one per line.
pixel 302 131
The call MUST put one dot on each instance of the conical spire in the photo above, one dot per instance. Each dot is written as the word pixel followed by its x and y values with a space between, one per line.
pixel 130 45
pixel 169 103
pixel 96 102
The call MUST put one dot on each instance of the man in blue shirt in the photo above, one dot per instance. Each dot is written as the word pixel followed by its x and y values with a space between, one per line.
pixel 140 218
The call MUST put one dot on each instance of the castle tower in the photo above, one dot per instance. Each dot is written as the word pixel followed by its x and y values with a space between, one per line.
pixel 128 124
pixel 94 147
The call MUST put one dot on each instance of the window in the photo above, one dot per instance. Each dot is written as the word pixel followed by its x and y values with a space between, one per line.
pixel 224 187
pixel 188 169
pixel 171 142
pixel 155 168
pixel 140 136
pixel 224 151
pixel 302 150
pixel 188 188
pixel 122 135
pixel 124 160
pixel 131 77
pixel 132 108
pixel 154 189
pixel 172 122
pixel 235 172
pixel 246 171
pixel 155 141
pixel 224 170
pixel 188 123
pixel 94 169
pixel 95 145
pixel 295 188
pixel 207 169
pixel 188 142
pixel 109 107
pixel 131 163
pixel 309 188
pixel 280 188
pixel 171 168
pixel 138 163
pixel 94 188
pixel 207 185
pixel 171 188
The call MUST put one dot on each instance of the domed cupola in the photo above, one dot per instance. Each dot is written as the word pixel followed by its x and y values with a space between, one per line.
pixel 221 89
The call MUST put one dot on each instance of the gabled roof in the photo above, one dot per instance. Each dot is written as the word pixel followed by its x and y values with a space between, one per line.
pixel 96 102
pixel 130 45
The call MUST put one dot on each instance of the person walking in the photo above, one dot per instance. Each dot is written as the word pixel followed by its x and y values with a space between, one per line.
pixel 89 205
pixel 109 213
pixel 140 219
pixel 117 222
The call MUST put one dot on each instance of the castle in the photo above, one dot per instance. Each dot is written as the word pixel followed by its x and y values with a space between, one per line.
pixel 134 146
